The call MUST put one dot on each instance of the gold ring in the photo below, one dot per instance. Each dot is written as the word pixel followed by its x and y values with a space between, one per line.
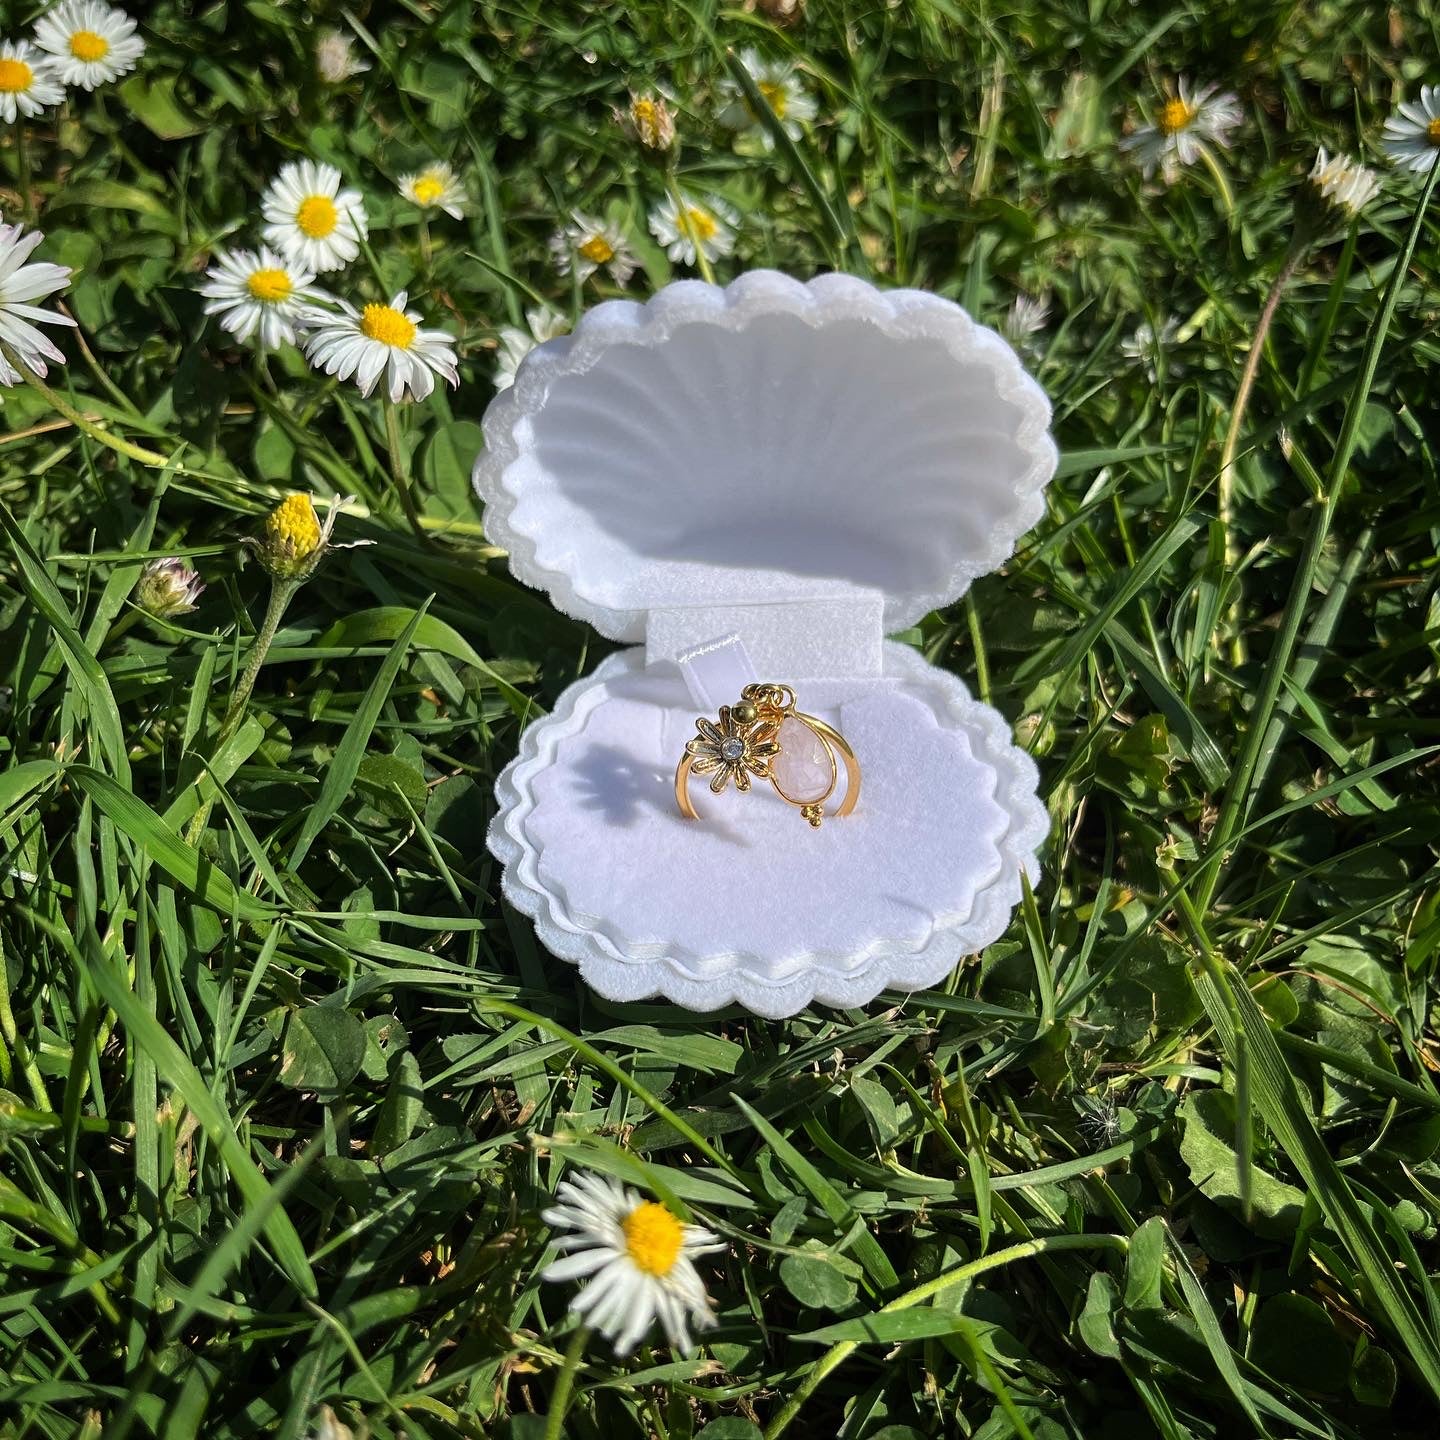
pixel 764 736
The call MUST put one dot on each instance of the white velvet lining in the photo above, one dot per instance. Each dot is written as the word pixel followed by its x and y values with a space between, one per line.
pixel 716 672
pixel 765 441
pixel 836 635
pixel 750 904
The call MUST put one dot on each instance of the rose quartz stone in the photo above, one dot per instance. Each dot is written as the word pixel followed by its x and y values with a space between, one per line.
pixel 804 770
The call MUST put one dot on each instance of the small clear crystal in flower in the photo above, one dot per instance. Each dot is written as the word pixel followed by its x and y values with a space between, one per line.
pixel 732 748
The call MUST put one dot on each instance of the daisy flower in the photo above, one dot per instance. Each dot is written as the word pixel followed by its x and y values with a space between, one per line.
pixel 652 122
pixel 1151 351
pixel 93 43
pixel 364 343
pixel 1412 138
pixel 1339 189
pixel 792 105
pixel 20 286
pixel 294 540
pixel 310 220
pixel 686 226
pixel 588 245
pixel 436 184
pixel 515 343
pixel 640 1260
pixel 28 83
pixel 335 62
pixel 259 292
pixel 1182 126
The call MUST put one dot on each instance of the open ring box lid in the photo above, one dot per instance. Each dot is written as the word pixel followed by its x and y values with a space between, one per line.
pixel 802 468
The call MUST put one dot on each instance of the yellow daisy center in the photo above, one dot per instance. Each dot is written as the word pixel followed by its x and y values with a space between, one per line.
pixel 653 1237
pixel 317 216
pixel 1175 115
pixel 15 76
pixel 292 528
pixel 775 97
pixel 87 46
pixel 428 189
pixel 1432 131
pixel 642 112
pixel 269 286
pixel 598 250
pixel 387 325
pixel 697 224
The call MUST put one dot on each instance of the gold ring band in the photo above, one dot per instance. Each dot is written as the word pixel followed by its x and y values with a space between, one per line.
pixel 748 740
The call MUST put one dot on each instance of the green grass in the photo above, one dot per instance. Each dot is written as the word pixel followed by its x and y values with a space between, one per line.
pixel 284 1087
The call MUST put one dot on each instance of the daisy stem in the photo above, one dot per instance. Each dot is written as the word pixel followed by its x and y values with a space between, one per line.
pixel 94 431
pixel 281 594
pixel 425 244
pixel 22 179
pixel 565 1383
pixel 1217 174
pixel 398 471
pixel 1293 257
pixel 95 367
pixel 1225 500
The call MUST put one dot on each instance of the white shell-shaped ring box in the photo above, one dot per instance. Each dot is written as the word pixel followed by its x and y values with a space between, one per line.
pixel 792 471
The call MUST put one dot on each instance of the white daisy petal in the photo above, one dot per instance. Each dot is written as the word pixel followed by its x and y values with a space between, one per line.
pixel 88 42
pixel 790 103
pixel 310 220
pixel 515 344
pixel 1341 187
pixel 335 62
pixel 640 1259
pixel 586 245
pixel 250 291
pixel 694 226
pixel 1411 138
pixel 1181 126
pixel 575 1267
pixel 436 187
pixel 380 338
pixel 29 80
pixel 19 285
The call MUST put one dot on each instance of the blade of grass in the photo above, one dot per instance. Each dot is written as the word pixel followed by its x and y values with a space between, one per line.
pixel 1283 1111
pixel 197 874
pixel 84 667
pixel 1258 735
pixel 170 1061
pixel 341 772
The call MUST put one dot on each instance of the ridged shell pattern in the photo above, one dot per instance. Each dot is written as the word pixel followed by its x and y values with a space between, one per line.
pixel 764 441
pixel 622 970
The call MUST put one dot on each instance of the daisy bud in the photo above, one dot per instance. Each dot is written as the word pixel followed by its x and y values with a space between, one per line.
pixel 782 12
pixel 1334 193
pixel 335 62
pixel 168 588
pixel 293 541
pixel 329 1426
pixel 652 122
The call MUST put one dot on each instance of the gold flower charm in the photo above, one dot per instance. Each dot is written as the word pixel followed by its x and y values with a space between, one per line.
pixel 765 736
pixel 740 746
